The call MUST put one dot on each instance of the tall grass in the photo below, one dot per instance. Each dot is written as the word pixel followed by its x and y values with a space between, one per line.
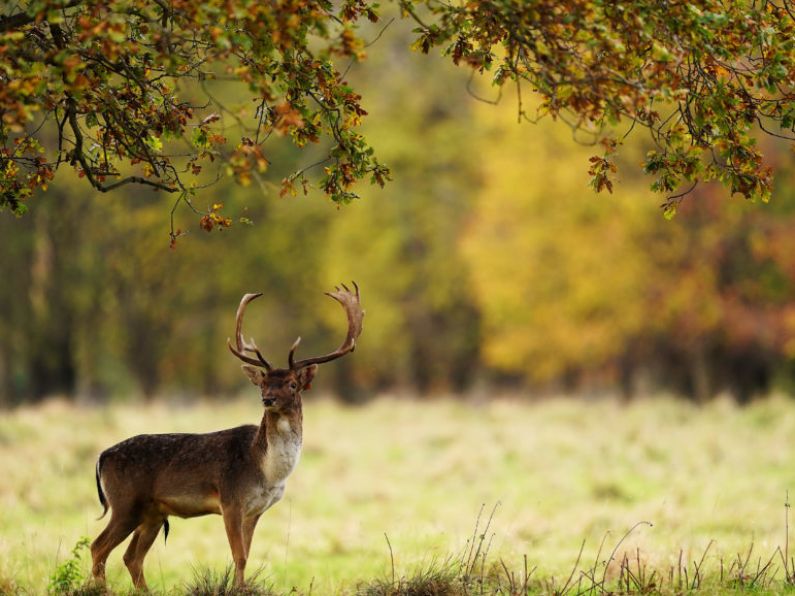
pixel 568 475
pixel 620 572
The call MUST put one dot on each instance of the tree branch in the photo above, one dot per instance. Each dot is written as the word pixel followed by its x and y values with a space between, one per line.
pixel 20 19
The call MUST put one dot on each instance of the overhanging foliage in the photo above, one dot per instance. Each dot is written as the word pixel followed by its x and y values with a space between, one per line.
pixel 118 89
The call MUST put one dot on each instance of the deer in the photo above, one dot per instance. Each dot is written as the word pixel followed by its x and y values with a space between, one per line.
pixel 238 473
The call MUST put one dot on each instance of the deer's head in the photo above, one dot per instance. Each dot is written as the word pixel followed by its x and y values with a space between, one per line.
pixel 281 387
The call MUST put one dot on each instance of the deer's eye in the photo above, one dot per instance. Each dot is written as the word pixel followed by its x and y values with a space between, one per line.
pixel 293 385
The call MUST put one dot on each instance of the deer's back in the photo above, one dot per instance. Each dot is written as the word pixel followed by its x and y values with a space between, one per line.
pixel 176 468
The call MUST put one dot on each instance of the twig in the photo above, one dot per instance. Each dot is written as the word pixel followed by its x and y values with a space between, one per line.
pixel 699 565
pixel 565 587
pixel 474 95
pixel 380 33
pixel 678 196
pixel 391 558
pixel 615 549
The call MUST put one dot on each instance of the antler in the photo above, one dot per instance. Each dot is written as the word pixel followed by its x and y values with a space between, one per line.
pixel 353 309
pixel 241 344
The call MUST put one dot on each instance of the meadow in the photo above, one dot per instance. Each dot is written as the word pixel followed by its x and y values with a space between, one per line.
pixel 385 489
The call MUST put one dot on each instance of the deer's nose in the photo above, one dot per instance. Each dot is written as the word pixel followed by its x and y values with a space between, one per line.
pixel 268 401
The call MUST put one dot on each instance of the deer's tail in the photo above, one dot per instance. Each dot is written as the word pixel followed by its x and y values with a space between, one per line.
pixel 100 493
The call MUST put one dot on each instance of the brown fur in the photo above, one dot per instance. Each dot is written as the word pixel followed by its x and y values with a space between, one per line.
pixel 238 473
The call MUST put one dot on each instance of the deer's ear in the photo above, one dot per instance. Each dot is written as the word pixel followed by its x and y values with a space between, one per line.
pixel 305 376
pixel 255 375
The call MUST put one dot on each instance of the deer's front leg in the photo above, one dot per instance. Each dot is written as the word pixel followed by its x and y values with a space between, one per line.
pixel 233 520
pixel 249 524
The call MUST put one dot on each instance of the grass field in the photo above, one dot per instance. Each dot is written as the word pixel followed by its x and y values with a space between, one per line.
pixel 562 472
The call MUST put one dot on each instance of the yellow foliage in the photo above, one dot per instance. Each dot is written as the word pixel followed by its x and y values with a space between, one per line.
pixel 557 271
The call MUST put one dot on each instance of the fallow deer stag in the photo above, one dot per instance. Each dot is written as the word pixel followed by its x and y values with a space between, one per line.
pixel 238 473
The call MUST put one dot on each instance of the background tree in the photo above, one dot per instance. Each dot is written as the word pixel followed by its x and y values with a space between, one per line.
pixel 559 281
pixel 403 243
pixel 124 91
pixel 582 294
pixel 483 264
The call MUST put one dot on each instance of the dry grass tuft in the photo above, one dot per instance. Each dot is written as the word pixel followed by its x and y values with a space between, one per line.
pixel 9 586
pixel 431 580
pixel 207 582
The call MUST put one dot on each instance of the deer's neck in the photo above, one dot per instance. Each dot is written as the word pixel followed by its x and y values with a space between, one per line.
pixel 278 444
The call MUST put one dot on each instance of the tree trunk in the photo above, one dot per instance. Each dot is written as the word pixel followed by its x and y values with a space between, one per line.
pixel 51 365
pixel 699 375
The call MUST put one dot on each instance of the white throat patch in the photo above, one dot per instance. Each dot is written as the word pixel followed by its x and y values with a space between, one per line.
pixel 284 450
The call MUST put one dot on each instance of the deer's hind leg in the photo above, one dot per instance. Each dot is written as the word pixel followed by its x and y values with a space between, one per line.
pixel 121 524
pixel 142 541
